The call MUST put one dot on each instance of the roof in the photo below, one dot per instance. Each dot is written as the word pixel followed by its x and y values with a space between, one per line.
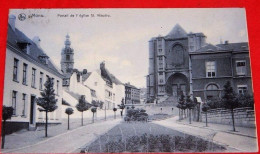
pixel 234 47
pixel 210 48
pixel 241 46
pixel 131 86
pixel 85 76
pixel 177 32
pixel 197 34
pixel 15 37
pixel 106 75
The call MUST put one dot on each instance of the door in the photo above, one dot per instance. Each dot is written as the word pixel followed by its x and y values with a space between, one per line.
pixel 174 90
pixel 183 89
pixel 32 110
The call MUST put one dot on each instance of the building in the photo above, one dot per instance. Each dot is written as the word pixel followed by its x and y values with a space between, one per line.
pixel 132 94
pixel 27 68
pixel 143 95
pixel 105 86
pixel 183 63
pixel 214 65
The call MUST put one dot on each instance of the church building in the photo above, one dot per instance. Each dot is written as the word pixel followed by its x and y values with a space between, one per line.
pixel 182 62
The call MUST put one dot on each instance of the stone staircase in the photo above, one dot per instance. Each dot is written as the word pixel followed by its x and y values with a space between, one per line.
pixel 170 101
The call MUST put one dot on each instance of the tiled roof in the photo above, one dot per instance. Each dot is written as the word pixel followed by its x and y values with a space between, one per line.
pixel 15 37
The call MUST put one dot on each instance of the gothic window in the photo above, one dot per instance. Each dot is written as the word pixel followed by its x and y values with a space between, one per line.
pixel 178 57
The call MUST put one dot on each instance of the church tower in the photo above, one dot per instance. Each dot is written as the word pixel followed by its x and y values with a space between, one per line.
pixel 67 57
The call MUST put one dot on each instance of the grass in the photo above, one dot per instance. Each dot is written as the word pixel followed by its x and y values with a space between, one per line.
pixel 148 137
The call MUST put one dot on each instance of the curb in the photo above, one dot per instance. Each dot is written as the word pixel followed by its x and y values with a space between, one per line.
pixel 218 130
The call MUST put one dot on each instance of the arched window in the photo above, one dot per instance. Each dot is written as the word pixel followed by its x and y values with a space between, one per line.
pixel 177 52
pixel 212 91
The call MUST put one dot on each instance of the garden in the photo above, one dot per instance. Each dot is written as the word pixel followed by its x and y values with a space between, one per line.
pixel 148 137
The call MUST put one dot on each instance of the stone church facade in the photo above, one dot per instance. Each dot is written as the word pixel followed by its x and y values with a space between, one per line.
pixel 182 62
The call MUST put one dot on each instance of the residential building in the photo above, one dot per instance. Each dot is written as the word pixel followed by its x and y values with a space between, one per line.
pixel 132 94
pixel 106 86
pixel 27 68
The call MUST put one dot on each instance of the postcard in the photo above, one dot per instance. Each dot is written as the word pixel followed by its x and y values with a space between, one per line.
pixel 128 81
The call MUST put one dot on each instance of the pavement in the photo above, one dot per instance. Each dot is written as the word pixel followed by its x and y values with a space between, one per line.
pixel 243 140
pixel 73 139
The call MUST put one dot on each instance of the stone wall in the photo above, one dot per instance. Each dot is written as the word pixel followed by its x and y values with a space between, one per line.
pixel 244 117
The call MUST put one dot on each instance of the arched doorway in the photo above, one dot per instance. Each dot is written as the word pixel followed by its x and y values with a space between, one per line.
pixel 177 84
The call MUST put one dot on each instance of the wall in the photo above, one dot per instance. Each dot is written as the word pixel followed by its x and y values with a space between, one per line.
pixel 244 117
pixel 10 85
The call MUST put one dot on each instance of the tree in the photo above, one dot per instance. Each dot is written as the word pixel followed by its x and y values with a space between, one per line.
pixel 205 108
pixel 229 101
pixel 181 106
pixel 6 114
pixel 47 102
pixel 82 106
pixel 122 106
pixel 114 109
pixel 93 110
pixel 69 111
pixel 190 105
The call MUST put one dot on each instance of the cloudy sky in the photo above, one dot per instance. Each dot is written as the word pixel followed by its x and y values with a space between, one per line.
pixel 120 37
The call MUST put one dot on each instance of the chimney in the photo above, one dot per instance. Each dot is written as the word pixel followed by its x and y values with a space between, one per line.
pixel 226 42
pixel 37 40
pixel 11 21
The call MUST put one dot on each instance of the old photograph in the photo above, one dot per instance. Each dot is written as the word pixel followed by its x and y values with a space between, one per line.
pixel 128 81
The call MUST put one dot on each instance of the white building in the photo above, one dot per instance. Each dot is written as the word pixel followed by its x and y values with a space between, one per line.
pixel 105 86
pixel 27 68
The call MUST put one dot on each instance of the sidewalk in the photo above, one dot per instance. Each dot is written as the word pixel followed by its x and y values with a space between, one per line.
pixel 242 141
pixel 243 131
pixel 26 138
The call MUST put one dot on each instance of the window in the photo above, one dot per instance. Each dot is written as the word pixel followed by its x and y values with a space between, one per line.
pixel 241 67
pixel 160 73
pixel 33 77
pixel 41 81
pixel 67 57
pixel 161 80
pixel 242 89
pixel 212 91
pixel 211 69
pixel 24 101
pixel 24 73
pixel 15 70
pixel 160 50
pixel 58 84
pixel 14 96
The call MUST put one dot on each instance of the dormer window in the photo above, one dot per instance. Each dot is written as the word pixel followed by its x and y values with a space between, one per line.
pixel 44 58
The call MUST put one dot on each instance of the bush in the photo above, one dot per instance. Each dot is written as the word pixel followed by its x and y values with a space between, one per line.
pixel 136 115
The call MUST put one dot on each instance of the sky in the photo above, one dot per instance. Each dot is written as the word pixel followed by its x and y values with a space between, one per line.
pixel 120 36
